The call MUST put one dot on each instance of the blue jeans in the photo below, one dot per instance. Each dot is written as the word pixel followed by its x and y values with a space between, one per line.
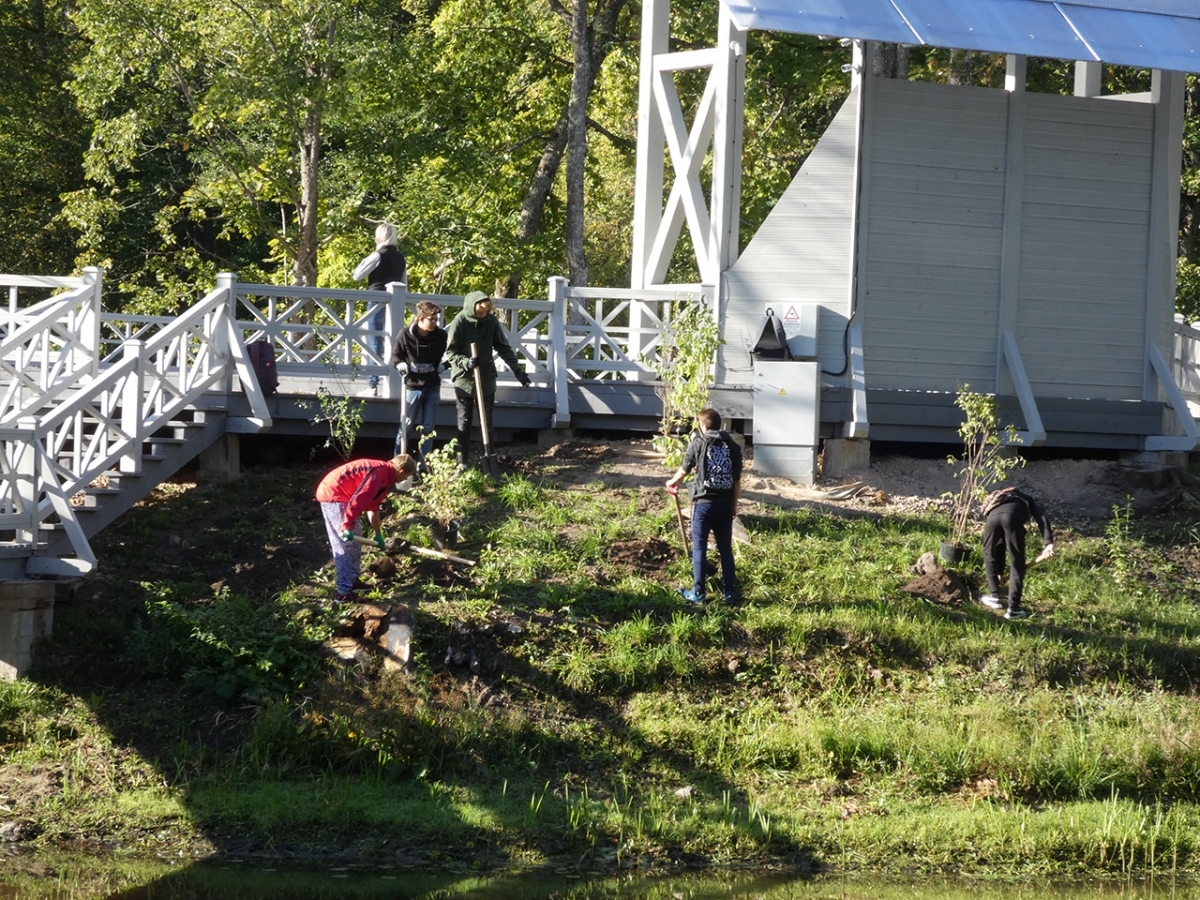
pixel 422 412
pixel 713 517
pixel 347 555
pixel 375 341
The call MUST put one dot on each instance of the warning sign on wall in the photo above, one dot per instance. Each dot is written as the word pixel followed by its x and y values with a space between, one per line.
pixel 799 326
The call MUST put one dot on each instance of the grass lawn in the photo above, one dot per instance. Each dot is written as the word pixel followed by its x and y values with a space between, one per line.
pixel 564 706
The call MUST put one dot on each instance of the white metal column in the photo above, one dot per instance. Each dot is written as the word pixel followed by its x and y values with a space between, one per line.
pixel 656 228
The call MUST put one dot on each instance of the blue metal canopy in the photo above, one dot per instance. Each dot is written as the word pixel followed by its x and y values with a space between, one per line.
pixel 1149 34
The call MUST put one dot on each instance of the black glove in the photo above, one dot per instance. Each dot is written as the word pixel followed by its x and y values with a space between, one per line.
pixel 523 378
pixel 472 363
pixel 445 365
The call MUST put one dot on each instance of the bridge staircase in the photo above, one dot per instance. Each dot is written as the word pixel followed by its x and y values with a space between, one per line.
pixel 97 409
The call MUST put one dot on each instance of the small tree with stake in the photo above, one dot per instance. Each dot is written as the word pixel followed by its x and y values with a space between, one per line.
pixel 446 491
pixel 984 462
pixel 684 369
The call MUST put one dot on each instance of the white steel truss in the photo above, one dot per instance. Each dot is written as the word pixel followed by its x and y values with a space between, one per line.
pixel 717 125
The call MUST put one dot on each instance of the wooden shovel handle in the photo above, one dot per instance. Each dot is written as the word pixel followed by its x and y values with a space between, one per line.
pixel 422 551
pixel 483 427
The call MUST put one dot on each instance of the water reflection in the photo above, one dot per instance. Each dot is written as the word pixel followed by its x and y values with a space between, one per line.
pixel 75 879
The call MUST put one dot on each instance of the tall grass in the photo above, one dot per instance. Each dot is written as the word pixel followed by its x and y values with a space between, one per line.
pixel 831 717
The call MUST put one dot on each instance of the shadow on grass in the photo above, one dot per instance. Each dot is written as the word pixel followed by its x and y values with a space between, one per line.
pixel 198 645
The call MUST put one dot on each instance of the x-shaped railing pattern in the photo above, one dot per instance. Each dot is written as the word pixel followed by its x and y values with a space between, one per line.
pixel 84 391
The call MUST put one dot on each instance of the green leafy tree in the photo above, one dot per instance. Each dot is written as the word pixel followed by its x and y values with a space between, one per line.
pixel 986 460
pixel 684 368
pixel 1187 293
pixel 42 137
pixel 210 127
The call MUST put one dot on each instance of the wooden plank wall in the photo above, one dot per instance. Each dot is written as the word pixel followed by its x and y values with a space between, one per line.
pixel 1084 243
pixel 930 287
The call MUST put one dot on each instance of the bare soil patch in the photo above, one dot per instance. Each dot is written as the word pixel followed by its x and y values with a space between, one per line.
pixel 1077 493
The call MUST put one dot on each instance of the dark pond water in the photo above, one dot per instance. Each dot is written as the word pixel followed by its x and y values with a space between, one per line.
pixel 26 878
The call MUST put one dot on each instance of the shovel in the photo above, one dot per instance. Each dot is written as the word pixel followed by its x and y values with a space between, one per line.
pixel 687 545
pixel 394 546
pixel 491 465
pixel 407 483
pixel 709 569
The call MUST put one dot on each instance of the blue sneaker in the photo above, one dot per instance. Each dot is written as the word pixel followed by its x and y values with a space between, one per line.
pixel 690 595
pixel 730 598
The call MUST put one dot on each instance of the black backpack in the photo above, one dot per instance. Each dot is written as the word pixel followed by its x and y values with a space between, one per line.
pixel 715 475
pixel 772 342
pixel 262 359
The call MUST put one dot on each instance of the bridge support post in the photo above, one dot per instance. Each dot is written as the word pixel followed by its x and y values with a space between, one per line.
pixel 26 615
pixel 221 461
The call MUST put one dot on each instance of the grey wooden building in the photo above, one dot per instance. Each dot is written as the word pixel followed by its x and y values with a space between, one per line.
pixel 1021 243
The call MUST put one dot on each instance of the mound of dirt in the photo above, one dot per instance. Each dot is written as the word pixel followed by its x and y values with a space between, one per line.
pixel 941 586
pixel 649 555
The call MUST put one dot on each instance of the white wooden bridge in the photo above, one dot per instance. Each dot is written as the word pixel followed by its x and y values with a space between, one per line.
pixel 98 408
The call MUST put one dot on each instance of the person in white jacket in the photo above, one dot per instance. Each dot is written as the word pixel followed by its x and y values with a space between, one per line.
pixel 384 265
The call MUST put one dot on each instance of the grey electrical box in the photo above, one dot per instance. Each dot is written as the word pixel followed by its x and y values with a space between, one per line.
pixel 787 397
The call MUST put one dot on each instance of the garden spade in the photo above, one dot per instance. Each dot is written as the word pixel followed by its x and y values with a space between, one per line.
pixel 740 533
pixel 490 465
pixel 709 568
pixel 395 546
pixel 687 546
pixel 407 483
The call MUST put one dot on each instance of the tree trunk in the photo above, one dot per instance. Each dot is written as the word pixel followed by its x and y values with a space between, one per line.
pixel 582 80
pixel 319 72
pixel 304 267
pixel 534 205
pixel 963 64
pixel 590 45
pixel 890 61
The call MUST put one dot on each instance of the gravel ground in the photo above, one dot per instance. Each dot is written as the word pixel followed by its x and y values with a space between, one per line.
pixel 1077 493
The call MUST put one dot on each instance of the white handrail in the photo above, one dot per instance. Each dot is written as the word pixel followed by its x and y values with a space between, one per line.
pixel 82 391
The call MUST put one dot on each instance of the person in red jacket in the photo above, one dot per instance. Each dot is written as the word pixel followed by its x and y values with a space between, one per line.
pixel 345 494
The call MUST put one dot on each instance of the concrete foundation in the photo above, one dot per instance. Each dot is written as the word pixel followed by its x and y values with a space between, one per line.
pixel 1155 459
pixel 26 616
pixel 221 461
pixel 550 437
pixel 842 457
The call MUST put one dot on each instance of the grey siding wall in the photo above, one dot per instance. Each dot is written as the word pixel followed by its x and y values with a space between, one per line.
pixel 930 284
pixel 801 254
pixel 1084 243
pixel 932 246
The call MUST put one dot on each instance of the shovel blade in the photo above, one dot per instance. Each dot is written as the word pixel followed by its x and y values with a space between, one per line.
pixel 740 534
pixel 489 464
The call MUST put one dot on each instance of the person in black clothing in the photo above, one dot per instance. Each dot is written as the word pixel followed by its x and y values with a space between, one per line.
pixel 385 265
pixel 418 355
pixel 715 494
pixel 1008 511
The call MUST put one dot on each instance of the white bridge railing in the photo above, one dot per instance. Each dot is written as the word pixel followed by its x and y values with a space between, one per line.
pixel 578 334
pixel 1185 362
pixel 81 390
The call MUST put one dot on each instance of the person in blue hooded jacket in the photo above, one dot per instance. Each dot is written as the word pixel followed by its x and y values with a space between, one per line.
pixel 477 325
